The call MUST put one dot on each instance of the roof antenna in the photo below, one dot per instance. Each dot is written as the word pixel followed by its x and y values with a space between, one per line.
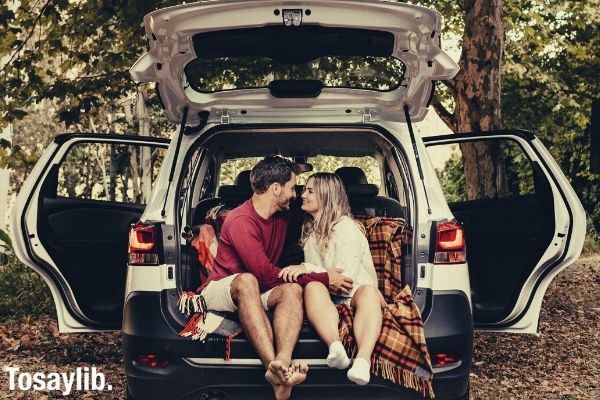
pixel 172 172
pixel 417 158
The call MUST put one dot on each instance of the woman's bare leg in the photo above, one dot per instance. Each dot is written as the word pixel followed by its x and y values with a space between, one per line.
pixel 323 315
pixel 321 312
pixel 367 328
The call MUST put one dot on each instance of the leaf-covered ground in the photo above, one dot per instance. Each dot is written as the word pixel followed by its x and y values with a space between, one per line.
pixel 561 363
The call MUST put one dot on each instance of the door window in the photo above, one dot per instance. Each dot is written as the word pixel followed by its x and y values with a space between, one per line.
pixel 513 174
pixel 505 203
pixel 107 171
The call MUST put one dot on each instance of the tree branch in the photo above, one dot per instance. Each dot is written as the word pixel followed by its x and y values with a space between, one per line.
pixel 450 84
pixel 99 76
pixel 445 115
pixel 29 35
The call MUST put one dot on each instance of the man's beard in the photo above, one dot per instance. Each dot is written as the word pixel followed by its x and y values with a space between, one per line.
pixel 284 205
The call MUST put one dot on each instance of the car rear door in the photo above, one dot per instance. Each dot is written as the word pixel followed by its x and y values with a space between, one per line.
pixel 342 60
pixel 526 227
pixel 71 220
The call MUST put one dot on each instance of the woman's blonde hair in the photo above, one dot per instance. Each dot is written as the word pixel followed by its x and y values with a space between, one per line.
pixel 333 205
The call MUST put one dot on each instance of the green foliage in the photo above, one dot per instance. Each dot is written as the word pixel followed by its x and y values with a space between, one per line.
pixel 231 168
pixel 216 74
pixel 369 165
pixel 592 239
pixel 519 170
pixel 111 172
pixel 550 77
pixel 22 291
pixel 77 52
pixel 452 179
pixel 5 151
pixel 77 55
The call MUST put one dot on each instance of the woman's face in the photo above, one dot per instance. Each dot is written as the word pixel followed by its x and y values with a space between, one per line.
pixel 309 198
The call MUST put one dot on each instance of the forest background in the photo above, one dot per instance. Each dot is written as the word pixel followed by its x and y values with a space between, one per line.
pixel 530 64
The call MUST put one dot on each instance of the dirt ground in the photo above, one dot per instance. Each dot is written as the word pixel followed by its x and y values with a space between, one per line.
pixel 561 363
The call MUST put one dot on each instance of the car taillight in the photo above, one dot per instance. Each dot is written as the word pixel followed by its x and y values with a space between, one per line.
pixel 143 249
pixel 450 244
pixel 442 360
pixel 151 361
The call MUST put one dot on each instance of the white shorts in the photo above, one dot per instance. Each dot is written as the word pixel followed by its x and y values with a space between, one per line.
pixel 217 295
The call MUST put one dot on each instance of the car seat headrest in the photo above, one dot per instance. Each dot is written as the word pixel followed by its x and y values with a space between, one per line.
pixel 352 176
pixel 233 192
pixel 362 191
pixel 243 180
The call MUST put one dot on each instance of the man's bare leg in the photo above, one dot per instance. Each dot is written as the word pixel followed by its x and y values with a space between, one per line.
pixel 257 327
pixel 286 300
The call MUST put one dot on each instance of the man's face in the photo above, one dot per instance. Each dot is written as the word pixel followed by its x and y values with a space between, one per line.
pixel 286 194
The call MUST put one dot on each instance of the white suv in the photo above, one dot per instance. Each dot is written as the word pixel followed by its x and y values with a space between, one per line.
pixel 302 79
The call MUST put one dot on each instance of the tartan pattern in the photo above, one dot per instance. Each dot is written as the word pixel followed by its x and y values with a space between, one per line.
pixel 400 354
pixel 201 321
pixel 385 237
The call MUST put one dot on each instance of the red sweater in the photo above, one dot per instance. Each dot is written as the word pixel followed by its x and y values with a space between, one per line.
pixel 250 243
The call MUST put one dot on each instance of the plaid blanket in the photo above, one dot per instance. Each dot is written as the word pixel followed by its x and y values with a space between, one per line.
pixel 203 322
pixel 400 354
pixel 385 236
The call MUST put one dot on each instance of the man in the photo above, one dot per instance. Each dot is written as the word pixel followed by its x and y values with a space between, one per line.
pixel 245 278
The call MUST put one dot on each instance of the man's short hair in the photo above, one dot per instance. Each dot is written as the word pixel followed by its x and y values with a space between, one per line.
pixel 271 169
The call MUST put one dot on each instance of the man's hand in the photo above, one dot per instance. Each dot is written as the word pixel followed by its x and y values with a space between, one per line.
pixel 292 272
pixel 338 283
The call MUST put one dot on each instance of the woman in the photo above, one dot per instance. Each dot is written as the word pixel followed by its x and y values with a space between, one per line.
pixel 332 239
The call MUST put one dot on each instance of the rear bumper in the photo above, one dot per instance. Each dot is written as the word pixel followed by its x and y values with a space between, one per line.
pixel 145 330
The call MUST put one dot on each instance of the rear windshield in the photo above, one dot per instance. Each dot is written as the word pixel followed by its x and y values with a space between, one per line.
pixel 231 168
pixel 255 57
pixel 356 72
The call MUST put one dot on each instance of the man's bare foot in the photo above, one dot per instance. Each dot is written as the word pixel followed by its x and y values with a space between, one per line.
pixel 282 391
pixel 298 373
pixel 280 371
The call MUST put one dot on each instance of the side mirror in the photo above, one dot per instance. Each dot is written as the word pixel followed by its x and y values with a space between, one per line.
pixel 595 137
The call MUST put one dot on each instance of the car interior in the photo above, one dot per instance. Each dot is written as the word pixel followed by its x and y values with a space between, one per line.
pixel 84 224
pixel 503 251
pixel 366 198
pixel 88 239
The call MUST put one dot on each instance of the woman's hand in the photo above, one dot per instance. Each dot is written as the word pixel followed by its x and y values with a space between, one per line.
pixel 292 272
pixel 382 300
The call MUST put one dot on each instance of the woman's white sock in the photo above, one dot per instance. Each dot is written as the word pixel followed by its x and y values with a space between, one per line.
pixel 360 373
pixel 337 357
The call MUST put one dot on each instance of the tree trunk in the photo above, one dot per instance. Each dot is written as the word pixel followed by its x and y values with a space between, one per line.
pixel 113 162
pixel 133 159
pixel 101 160
pixel 6 134
pixel 146 152
pixel 477 95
